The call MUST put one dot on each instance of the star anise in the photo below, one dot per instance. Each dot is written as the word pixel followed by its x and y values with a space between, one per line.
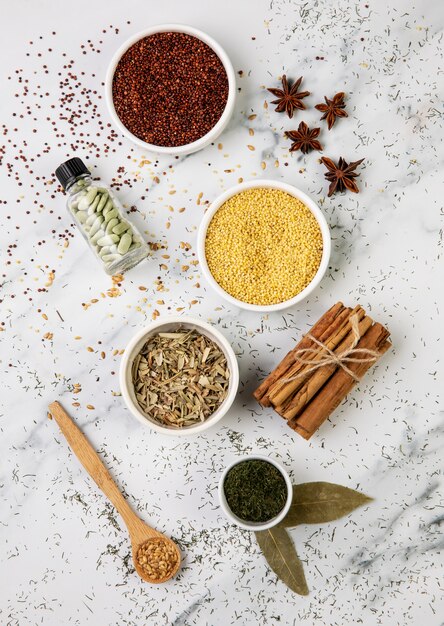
pixel 333 108
pixel 304 139
pixel 341 176
pixel 289 98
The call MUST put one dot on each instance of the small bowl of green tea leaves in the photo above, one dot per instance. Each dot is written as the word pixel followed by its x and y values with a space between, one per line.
pixel 255 493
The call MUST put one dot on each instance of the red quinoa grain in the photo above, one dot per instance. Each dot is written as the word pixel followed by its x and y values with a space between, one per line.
pixel 170 89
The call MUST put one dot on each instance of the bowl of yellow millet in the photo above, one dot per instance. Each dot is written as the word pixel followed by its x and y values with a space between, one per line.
pixel 264 245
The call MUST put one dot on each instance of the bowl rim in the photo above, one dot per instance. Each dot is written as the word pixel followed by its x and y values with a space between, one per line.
pixel 217 129
pixel 254 526
pixel 293 191
pixel 126 363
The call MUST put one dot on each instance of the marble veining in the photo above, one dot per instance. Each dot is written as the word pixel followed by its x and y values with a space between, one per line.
pixel 64 552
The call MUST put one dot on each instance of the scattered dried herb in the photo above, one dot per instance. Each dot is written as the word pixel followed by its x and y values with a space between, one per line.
pixel 180 378
pixel 304 138
pixel 255 490
pixel 341 176
pixel 332 108
pixel 313 503
pixel 288 98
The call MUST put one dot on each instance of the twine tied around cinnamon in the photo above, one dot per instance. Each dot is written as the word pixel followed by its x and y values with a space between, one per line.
pixel 349 355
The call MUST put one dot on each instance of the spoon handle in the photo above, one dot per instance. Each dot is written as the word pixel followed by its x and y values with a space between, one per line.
pixel 90 460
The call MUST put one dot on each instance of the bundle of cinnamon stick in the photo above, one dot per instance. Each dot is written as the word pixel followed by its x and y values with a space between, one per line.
pixel 314 377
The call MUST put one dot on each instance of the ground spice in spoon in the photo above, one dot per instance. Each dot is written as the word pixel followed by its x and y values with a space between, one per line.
pixel 255 490
pixel 170 89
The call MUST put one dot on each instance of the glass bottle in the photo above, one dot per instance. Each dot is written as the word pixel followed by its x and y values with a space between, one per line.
pixel 100 218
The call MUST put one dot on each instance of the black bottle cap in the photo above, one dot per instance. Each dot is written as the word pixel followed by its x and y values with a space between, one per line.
pixel 70 170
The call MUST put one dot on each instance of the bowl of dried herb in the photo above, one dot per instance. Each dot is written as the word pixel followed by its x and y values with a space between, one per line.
pixel 255 492
pixel 179 376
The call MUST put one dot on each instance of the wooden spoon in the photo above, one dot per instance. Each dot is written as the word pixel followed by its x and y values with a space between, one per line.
pixel 140 533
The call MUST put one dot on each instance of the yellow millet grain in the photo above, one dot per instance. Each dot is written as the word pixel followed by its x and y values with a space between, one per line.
pixel 263 246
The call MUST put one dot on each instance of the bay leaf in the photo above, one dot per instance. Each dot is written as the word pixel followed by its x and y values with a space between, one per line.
pixel 319 502
pixel 281 556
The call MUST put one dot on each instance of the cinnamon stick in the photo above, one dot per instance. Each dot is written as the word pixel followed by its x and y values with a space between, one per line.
pixel 340 328
pixel 321 375
pixel 318 329
pixel 339 385
pixel 296 367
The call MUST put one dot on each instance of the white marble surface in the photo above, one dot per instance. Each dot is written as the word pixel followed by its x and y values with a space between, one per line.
pixel 64 553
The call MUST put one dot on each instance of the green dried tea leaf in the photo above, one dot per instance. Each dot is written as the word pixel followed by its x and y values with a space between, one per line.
pixel 281 556
pixel 319 502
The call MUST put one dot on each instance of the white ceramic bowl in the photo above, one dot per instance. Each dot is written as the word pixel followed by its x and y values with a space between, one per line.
pixel 229 107
pixel 293 191
pixel 171 324
pixel 255 525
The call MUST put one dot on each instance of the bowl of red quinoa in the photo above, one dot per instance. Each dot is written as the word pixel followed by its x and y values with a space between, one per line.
pixel 170 89
pixel 263 245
